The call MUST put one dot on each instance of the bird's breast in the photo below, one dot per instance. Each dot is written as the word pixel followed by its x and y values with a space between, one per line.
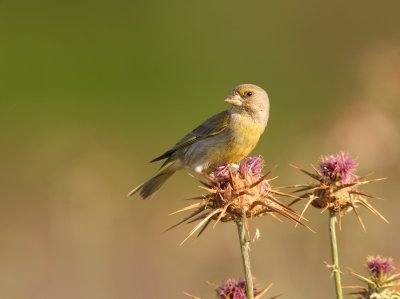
pixel 244 136
pixel 230 146
pixel 236 142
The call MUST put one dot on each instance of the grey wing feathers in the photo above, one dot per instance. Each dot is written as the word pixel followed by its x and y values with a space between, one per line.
pixel 211 127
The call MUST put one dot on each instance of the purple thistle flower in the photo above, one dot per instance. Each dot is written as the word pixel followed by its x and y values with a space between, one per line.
pixel 239 294
pixel 382 281
pixel 253 165
pixel 233 289
pixel 379 266
pixel 222 172
pixel 339 168
pixel 337 187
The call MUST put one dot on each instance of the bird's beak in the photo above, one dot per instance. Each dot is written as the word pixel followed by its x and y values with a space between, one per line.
pixel 234 100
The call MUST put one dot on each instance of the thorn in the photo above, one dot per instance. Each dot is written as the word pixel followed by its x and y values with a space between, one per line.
pixel 334 268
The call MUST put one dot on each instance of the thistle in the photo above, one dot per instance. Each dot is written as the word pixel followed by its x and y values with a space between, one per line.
pixel 236 289
pixel 237 193
pixel 381 281
pixel 337 190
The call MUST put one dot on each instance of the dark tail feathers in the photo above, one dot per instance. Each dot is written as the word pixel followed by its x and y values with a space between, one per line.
pixel 149 188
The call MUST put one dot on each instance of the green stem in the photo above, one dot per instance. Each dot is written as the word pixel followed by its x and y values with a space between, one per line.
pixel 244 249
pixel 335 256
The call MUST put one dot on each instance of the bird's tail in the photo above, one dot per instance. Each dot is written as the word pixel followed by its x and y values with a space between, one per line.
pixel 149 188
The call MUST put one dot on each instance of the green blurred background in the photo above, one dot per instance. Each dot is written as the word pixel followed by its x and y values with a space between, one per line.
pixel 90 91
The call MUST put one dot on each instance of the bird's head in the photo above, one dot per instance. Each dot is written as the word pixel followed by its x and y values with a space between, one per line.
pixel 249 97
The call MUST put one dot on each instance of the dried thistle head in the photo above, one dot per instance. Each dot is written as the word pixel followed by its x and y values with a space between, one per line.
pixel 236 192
pixel 337 187
pixel 236 289
pixel 381 282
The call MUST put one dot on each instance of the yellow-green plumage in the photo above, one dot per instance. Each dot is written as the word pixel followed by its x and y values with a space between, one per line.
pixel 240 139
pixel 226 137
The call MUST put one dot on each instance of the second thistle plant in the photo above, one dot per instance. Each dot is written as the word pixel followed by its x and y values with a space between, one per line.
pixel 337 190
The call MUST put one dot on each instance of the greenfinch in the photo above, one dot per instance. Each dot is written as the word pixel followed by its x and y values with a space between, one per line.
pixel 226 137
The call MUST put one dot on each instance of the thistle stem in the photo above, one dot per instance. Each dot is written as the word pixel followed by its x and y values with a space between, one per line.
pixel 244 249
pixel 335 256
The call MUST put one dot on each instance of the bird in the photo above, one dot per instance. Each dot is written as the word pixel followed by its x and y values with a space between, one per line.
pixel 226 137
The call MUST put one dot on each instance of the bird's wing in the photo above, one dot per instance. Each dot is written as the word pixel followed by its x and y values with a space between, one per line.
pixel 211 127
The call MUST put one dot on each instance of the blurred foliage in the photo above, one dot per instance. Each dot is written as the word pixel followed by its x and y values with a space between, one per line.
pixel 92 90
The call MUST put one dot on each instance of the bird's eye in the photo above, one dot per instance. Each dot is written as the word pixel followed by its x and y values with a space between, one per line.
pixel 248 93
